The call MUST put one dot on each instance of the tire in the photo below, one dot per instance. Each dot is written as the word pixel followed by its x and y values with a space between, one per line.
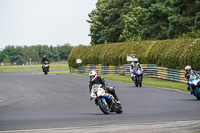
pixel 198 93
pixel 105 109
pixel 136 81
pixel 139 81
pixel 119 110
pixel 45 72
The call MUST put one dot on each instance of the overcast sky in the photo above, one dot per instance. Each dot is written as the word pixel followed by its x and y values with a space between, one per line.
pixel 50 22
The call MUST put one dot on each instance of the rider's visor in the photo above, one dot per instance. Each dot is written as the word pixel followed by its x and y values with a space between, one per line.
pixel 92 76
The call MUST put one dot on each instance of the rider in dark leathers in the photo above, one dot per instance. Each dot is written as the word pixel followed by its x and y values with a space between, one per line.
pixel 95 79
pixel 45 60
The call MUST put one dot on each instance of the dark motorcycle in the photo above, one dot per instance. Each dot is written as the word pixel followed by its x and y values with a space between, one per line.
pixel 45 67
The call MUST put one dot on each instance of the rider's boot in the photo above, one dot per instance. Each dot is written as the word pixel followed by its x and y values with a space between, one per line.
pixel 116 98
pixel 42 69
pixel 96 103
pixel 111 90
pixel 188 88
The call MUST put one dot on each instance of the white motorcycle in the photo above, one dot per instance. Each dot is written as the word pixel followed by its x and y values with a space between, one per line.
pixel 104 100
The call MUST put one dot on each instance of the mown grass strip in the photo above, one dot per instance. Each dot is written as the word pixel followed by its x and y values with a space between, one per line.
pixel 60 66
pixel 53 66
pixel 147 81
pixel 59 72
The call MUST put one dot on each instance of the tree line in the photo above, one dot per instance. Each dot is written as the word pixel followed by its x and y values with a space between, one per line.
pixel 22 54
pixel 129 20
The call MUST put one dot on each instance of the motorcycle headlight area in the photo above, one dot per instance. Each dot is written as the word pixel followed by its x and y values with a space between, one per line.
pixel 195 82
pixel 94 89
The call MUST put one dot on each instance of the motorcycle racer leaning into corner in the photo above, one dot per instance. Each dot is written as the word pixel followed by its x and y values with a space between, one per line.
pixel 95 79
pixel 188 72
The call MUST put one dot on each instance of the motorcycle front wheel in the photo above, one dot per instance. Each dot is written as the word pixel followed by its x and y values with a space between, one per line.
pixel 103 106
pixel 136 81
pixel 140 81
pixel 197 89
pixel 45 71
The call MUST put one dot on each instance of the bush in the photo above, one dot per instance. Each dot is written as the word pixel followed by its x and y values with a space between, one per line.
pixel 167 53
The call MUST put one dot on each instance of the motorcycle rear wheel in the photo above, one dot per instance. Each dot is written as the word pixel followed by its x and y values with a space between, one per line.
pixel 119 110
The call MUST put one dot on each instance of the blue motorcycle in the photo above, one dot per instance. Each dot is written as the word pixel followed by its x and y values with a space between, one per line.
pixel 194 83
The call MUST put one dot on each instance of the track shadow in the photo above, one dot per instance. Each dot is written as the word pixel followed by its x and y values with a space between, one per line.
pixel 98 114
pixel 188 100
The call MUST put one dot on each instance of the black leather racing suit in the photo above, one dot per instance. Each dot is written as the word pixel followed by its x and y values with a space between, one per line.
pixel 100 80
pixel 44 60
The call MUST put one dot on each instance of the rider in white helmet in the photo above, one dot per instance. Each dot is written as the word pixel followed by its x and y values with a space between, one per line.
pixel 95 79
pixel 134 66
pixel 188 72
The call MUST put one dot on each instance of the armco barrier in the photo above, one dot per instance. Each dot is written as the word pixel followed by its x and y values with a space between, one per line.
pixel 182 75
pixel 150 70
pixel 173 74
pixel 162 73
pixel 104 70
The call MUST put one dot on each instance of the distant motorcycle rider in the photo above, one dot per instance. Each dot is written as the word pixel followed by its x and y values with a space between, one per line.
pixel 135 65
pixel 44 60
pixel 188 72
pixel 95 79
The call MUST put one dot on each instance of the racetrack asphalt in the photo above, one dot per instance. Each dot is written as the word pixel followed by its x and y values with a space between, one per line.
pixel 30 102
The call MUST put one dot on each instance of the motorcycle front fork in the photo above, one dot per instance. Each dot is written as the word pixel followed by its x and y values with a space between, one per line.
pixel 133 77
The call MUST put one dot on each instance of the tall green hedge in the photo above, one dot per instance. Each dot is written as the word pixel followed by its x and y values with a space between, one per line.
pixel 167 53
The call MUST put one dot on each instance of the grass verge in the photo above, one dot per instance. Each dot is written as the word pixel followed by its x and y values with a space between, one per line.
pixel 63 65
pixel 55 72
pixel 148 81
pixel 60 72
pixel 53 66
